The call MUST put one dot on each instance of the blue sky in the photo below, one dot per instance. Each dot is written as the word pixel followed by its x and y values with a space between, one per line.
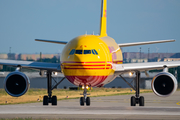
pixel 22 21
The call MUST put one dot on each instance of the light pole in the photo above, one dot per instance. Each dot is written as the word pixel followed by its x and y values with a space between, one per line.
pixel 40 56
pixel 148 54
pixel 140 54
pixel 9 52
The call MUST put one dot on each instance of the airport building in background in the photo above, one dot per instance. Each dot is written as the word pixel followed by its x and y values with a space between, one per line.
pixel 137 57
pixel 3 56
pixel 34 57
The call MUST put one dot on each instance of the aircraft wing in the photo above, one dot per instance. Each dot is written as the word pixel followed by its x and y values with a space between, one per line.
pixel 123 68
pixel 33 65
pixel 52 41
pixel 144 43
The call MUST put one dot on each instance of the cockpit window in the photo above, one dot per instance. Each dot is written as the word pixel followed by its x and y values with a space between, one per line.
pixel 78 51
pixel 72 52
pixel 87 51
pixel 94 52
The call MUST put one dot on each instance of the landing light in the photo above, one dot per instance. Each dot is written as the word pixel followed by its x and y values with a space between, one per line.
pixel 84 87
pixel 131 73
pixel 55 73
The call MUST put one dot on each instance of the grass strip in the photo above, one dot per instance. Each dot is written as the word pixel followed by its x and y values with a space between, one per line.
pixel 56 119
pixel 46 119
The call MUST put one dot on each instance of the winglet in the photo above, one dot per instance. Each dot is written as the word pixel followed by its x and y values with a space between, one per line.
pixel 103 18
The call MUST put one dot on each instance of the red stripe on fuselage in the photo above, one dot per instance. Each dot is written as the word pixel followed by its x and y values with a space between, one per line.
pixel 117 62
pixel 83 68
pixel 83 62
pixel 84 65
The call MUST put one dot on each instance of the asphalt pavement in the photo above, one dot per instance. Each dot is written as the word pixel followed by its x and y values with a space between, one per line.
pixel 110 107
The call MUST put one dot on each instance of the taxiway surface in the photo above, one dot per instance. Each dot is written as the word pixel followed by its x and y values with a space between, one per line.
pixel 110 107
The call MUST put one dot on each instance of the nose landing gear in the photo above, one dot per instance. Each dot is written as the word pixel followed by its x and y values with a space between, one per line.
pixel 85 99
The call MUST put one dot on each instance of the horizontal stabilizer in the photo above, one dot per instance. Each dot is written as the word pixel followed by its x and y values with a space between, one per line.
pixel 144 43
pixel 52 41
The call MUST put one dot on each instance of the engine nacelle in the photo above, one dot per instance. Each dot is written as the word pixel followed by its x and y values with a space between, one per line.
pixel 164 84
pixel 16 84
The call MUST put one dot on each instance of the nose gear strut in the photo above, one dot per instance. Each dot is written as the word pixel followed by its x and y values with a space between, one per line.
pixel 85 99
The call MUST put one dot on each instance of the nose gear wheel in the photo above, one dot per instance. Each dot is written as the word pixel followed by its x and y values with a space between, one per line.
pixel 85 99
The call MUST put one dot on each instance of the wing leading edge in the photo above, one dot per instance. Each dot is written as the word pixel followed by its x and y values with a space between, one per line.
pixel 144 43
pixel 123 68
pixel 33 65
pixel 52 41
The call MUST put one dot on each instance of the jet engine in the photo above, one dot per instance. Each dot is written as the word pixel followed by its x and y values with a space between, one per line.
pixel 164 84
pixel 16 84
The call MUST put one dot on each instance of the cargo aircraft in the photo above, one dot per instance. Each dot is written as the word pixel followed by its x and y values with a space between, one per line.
pixel 92 61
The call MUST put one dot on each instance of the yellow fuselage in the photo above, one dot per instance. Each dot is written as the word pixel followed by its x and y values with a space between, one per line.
pixel 89 60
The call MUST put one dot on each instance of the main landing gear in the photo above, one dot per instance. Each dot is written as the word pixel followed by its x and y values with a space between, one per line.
pixel 136 99
pixel 85 99
pixel 51 99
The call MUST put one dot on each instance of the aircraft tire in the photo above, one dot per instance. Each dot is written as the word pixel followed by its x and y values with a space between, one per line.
pixel 82 101
pixel 45 100
pixel 88 101
pixel 141 101
pixel 54 100
pixel 133 101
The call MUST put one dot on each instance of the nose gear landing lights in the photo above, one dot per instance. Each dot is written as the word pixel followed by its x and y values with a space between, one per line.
pixel 85 99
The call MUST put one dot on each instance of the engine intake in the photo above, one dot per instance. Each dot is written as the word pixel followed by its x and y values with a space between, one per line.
pixel 164 84
pixel 16 84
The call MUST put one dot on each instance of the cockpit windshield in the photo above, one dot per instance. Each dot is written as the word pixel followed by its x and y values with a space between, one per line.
pixel 78 52
pixel 93 51
pixel 72 52
pixel 87 51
